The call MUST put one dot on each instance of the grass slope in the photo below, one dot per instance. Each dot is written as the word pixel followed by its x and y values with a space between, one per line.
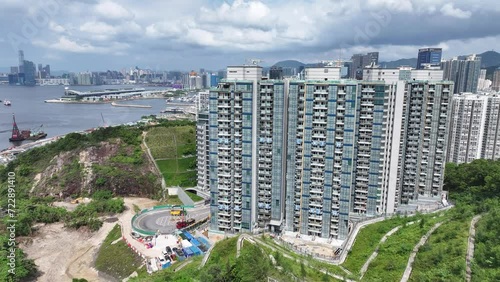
pixel 393 255
pixel 117 260
pixel 442 258
pixel 174 149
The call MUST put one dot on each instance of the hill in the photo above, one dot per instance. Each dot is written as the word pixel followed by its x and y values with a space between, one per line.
pixel 489 59
pixel 412 62
pixel 289 64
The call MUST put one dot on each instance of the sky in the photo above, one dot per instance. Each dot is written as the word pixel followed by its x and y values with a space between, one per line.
pixel 80 35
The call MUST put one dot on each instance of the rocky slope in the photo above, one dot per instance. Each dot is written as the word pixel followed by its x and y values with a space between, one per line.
pixel 110 165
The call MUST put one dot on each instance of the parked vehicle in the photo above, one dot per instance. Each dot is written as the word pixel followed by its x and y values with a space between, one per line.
pixel 169 250
pixel 184 223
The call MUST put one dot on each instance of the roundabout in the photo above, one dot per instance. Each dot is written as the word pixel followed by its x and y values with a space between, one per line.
pixel 159 220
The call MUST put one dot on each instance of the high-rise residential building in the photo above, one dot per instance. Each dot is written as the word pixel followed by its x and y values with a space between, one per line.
pixel 202 140
pixel 338 137
pixel 464 73
pixel 429 56
pixel 311 155
pixel 84 78
pixel 424 135
pixel 467 123
pixel 233 135
pixel 474 128
pixel 496 80
pixel 483 83
pixel 359 62
pixel 375 73
pixel 491 136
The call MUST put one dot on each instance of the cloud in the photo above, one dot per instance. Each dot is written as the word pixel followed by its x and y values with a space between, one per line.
pixel 56 27
pixel 392 5
pixel 67 45
pixel 113 11
pixel 240 13
pixel 224 31
pixel 449 10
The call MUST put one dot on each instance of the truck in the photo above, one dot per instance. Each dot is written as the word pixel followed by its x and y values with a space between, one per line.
pixel 184 223
pixel 178 212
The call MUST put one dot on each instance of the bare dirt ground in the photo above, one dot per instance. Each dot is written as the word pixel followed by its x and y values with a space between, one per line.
pixel 63 254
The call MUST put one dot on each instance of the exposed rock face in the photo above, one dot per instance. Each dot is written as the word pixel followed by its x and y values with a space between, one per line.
pixel 101 167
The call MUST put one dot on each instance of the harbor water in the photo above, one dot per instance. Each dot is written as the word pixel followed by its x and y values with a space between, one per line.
pixel 58 118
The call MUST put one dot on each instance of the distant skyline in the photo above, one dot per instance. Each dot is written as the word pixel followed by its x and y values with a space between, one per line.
pixel 182 35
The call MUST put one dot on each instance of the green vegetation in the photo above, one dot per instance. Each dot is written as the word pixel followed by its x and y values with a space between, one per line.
pixel 367 241
pixel 173 200
pixel 120 170
pixel 116 259
pixel 442 258
pixel 194 197
pixel 476 189
pixel 25 269
pixel 223 251
pixel 486 266
pixel 393 255
pixel 174 148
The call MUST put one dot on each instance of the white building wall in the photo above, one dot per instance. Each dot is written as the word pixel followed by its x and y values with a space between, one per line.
pixel 244 73
pixel 427 75
pixel 322 73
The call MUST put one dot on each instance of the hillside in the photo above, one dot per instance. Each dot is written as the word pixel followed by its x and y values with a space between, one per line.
pixel 490 59
pixel 289 64
pixel 102 165
pixel 398 63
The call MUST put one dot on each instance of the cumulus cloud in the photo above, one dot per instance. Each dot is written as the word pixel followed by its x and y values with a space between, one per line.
pixel 56 27
pixel 113 11
pixel 263 28
pixel 240 13
pixel 449 10
pixel 68 45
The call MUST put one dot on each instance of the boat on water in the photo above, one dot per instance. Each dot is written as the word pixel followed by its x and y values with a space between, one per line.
pixel 16 134
pixel 21 135
pixel 6 103
pixel 37 136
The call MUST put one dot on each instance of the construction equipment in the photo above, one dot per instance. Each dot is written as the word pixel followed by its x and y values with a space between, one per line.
pixel 77 200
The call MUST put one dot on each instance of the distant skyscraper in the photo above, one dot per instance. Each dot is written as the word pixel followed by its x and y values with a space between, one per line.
pixel 464 73
pixel 496 80
pixel 214 80
pixel 431 56
pixel 21 61
pixel 14 70
pixel 29 73
pixel 360 61
pixel 276 73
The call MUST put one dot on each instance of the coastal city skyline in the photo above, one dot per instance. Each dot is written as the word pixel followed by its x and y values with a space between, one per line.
pixel 80 36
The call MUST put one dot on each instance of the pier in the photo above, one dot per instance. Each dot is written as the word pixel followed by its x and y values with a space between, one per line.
pixel 114 104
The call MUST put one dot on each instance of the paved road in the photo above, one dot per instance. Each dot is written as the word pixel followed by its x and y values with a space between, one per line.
pixel 162 220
